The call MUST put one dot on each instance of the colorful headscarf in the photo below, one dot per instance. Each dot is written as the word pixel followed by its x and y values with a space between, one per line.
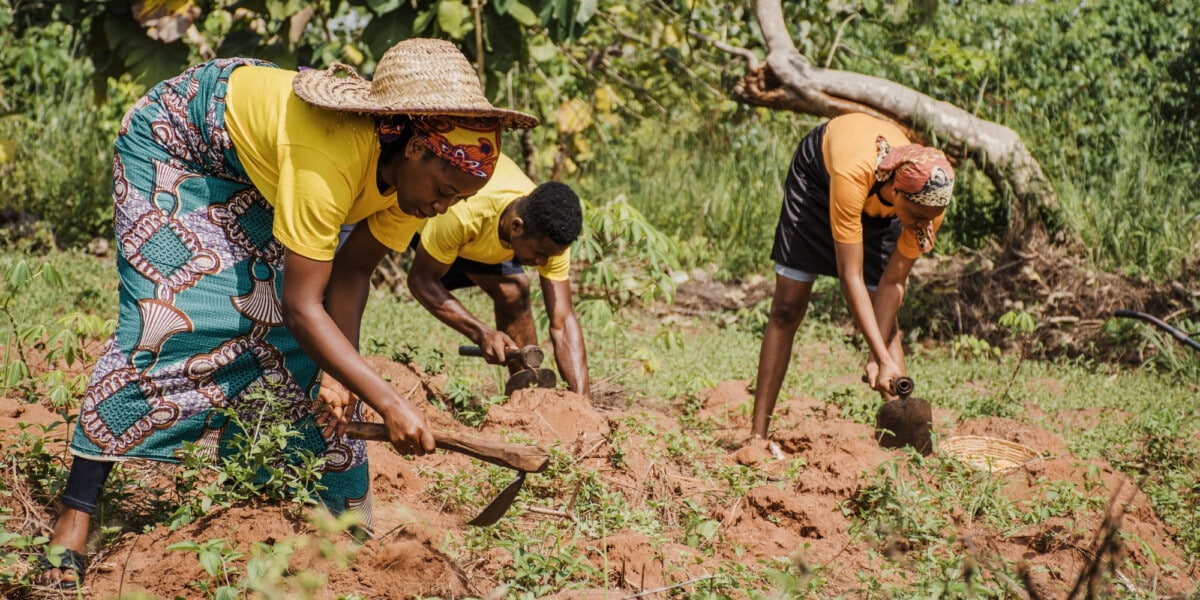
pixel 471 145
pixel 922 174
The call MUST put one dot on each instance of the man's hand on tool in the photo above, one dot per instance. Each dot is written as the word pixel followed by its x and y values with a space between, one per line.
pixel 334 407
pixel 497 346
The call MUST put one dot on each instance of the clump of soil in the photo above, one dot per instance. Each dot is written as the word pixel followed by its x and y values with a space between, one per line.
pixel 798 511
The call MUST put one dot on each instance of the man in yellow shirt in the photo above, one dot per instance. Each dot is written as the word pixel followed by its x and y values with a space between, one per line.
pixel 487 240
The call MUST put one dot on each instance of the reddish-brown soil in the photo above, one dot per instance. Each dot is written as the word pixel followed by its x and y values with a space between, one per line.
pixel 800 515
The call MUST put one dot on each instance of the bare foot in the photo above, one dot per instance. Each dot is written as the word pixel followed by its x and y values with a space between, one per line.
pixel 758 450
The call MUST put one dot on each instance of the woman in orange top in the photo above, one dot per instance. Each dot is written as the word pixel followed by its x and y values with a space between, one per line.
pixel 230 184
pixel 860 203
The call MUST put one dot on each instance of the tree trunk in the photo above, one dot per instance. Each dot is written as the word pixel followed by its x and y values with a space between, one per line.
pixel 789 81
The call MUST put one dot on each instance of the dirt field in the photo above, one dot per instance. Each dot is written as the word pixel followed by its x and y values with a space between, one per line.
pixel 801 516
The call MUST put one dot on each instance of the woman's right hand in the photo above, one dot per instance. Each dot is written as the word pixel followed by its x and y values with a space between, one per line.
pixel 880 376
pixel 408 429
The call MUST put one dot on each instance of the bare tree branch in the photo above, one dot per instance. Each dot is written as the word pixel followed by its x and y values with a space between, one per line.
pixel 752 60
pixel 789 81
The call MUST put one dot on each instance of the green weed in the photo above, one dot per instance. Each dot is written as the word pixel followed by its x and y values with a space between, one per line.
pixel 257 461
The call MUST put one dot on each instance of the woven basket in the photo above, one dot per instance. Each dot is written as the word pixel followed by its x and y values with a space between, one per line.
pixel 988 453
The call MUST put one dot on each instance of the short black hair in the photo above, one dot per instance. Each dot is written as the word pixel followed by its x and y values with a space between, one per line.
pixel 552 210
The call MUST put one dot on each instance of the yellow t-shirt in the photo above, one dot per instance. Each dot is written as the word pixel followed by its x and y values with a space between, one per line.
pixel 316 167
pixel 471 228
pixel 850 151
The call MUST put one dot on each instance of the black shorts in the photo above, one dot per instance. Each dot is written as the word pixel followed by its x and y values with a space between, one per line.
pixel 804 236
pixel 458 276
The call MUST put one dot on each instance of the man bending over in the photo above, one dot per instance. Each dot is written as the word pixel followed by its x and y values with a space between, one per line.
pixel 486 241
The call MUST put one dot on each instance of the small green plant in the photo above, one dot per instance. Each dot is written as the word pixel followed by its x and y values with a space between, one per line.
pixel 794 579
pixel 259 460
pixel 218 560
pixel 969 347
pixel 30 456
pixel 461 401
pixel 700 531
pixel 429 360
pixel 899 505
pixel 1018 322
pixel 855 405
pixel 753 319
pixel 1060 499
pixel 625 257
pixel 58 341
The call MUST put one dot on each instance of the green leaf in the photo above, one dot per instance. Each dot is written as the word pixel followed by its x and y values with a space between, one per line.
pixel 505 43
pixel 587 8
pixel 523 14
pixel 226 592
pixel 423 20
pixel 211 561
pixel 189 545
pixel 282 9
pixel 454 18
pixel 149 61
pixel 543 52
pixel 385 30
pixel 19 274
pixel 383 7
pixel 52 276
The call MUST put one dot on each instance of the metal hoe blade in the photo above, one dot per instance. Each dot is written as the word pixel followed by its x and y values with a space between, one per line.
pixel 541 378
pixel 500 505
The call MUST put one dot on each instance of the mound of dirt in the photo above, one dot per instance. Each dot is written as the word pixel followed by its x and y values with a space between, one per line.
pixel 550 417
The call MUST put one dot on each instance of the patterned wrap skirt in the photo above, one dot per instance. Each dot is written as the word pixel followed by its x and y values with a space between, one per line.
pixel 201 322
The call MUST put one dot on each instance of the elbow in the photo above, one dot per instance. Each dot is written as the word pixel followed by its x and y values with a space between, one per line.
pixel 421 287
pixel 417 286
pixel 294 318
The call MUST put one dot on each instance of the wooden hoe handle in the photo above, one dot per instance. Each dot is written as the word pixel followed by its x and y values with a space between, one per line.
pixel 531 459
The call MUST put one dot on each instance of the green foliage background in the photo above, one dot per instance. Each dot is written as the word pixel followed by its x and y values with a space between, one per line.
pixel 633 97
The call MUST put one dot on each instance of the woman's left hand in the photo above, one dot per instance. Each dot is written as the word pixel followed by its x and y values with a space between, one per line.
pixel 334 406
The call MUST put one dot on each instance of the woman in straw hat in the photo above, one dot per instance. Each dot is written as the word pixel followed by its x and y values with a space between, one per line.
pixel 860 203
pixel 230 183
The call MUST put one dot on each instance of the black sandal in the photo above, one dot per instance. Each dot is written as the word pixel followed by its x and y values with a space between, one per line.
pixel 68 560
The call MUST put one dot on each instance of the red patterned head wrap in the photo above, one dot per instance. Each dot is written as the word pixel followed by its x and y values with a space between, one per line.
pixel 922 174
pixel 472 145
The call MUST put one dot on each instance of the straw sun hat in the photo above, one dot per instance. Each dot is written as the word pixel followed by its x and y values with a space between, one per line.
pixel 418 76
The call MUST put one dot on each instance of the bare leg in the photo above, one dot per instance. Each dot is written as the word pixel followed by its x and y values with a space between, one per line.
pixel 788 307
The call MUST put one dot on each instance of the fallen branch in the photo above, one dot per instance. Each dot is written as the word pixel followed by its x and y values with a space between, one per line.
pixel 553 512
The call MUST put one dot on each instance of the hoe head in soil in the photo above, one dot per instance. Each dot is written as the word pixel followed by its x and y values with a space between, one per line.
pixel 905 421
pixel 525 365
